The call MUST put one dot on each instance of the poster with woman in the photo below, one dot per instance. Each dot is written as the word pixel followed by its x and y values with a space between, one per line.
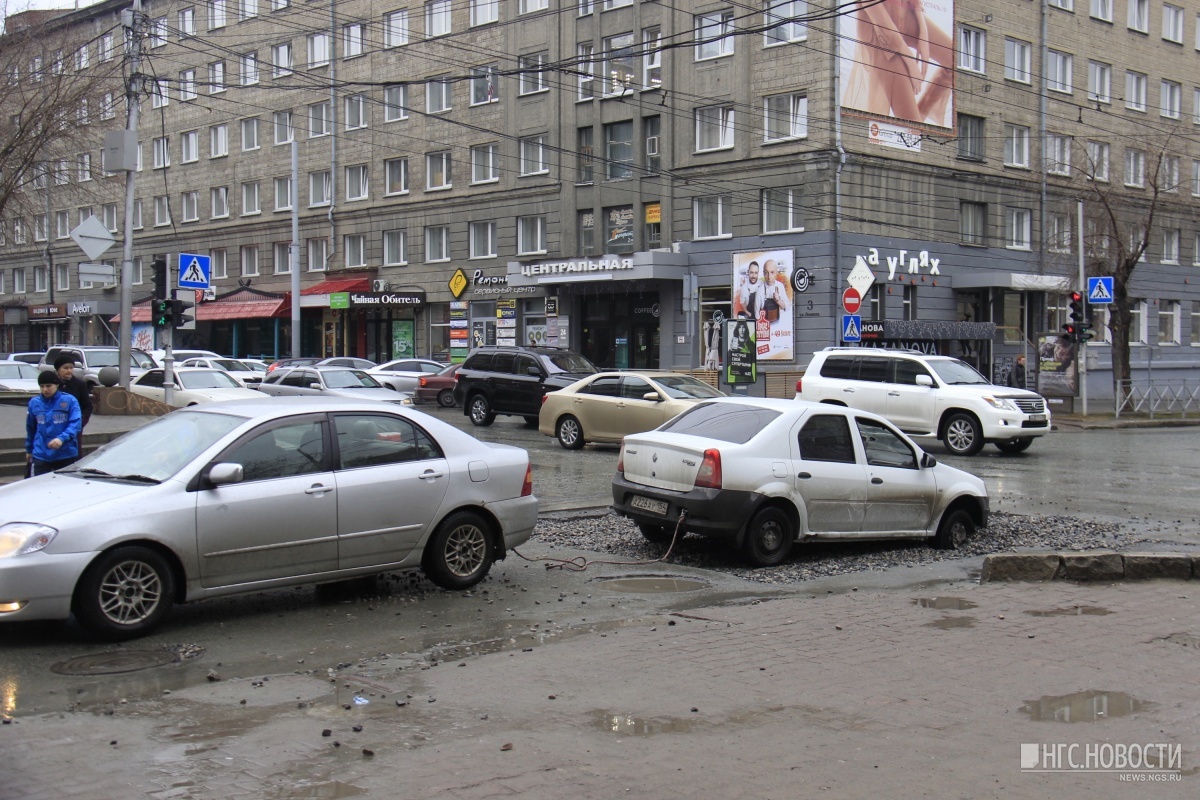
pixel 740 362
pixel 763 294
pixel 1057 375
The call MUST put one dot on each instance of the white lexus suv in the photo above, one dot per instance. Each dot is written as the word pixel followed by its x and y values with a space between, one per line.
pixel 934 397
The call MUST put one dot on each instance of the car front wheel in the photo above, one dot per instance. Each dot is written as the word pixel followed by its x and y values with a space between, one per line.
pixel 570 433
pixel 768 539
pixel 481 411
pixel 125 593
pixel 956 528
pixel 963 436
pixel 460 552
pixel 445 398
pixel 1015 445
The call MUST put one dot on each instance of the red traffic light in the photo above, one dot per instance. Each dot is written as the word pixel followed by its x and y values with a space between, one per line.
pixel 1076 297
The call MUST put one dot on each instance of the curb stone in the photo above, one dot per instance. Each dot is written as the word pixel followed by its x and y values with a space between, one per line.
pixel 1151 566
pixel 1103 566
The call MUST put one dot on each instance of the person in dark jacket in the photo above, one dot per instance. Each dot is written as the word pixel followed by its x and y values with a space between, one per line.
pixel 52 427
pixel 78 388
pixel 1016 376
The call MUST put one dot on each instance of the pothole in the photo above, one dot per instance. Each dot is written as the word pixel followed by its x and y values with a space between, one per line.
pixel 1089 706
pixel 1071 611
pixel 652 584
pixel 114 662
pixel 626 725
pixel 945 603
pixel 1188 640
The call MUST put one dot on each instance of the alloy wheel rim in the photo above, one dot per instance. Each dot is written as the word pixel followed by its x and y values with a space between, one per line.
pixel 465 549
pixel 130 592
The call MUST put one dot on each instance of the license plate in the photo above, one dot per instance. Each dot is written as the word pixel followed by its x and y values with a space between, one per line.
pixel 646 504
pixel 1037 417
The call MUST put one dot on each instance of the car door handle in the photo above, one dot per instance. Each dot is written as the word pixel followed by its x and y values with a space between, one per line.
pixel 893 394
pixel 805 475
pixel 877 481
pixel 318 489
pixel 430 475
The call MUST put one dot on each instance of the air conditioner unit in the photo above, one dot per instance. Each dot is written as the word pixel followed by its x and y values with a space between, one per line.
pixel 651 145
pixel 379 285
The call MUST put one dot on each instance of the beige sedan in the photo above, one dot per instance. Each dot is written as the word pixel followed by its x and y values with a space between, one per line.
pixel 608 405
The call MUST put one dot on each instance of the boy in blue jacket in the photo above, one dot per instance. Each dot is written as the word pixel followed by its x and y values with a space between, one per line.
pixel 52 427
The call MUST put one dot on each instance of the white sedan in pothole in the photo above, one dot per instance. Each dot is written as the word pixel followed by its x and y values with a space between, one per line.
pixel 765 474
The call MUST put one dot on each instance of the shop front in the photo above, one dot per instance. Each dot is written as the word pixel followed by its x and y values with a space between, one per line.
pixel 49 324
pixel 488 309
pixel 379 326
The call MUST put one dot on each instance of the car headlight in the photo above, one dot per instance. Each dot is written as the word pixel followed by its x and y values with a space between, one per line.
pixel 1001 403
pixel 19 538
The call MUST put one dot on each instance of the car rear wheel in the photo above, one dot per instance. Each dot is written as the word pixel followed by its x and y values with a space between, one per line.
pixel 956 528
pixel 460 552
pixel 445 398
pixel 481 411
pixel 962 435
pixel 570 434
pixel 1015 445
pixel 659 534
pixel 125 593
pixel 768 539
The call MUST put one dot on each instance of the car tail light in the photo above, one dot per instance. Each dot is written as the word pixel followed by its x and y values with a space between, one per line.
pixel 544 398
pixel 798 382
pixel 424 382
pixel 709 476
pixel 527 486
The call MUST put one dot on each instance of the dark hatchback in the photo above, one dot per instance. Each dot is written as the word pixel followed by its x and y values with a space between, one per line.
pixel 512 380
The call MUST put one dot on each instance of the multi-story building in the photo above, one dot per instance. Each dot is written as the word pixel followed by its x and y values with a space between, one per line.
pixel 604 173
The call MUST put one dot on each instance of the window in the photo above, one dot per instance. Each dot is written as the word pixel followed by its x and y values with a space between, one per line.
pixel 1102 9
pixel 395 29
pixel 618 64
pixel 318 254
pixel 437 18
pixel 249 69
pixel 714 128
pixel 356 112
pixel 783 21
pixel 395 246
pixel 83 163
pixel 1139 15
pixel 1098 161
pixel 158 32
pixel 318 50
pixel 353 36
pixel 785 117
pixel 1168 174
pixel 586 224
pixel 395 103
pixel 1135 168
pixel 217 269
pixel 283 127
pixel 41 225
pixel 437 170
pixel 483 239
pixel 586 77
pixel 529 6
pixel 283 258
pixel 484 12
pixel 972 221
pixel 1172 23
pixel 652 129
pixel 162 152
pixel 585 157
pixel 216 77
pixel 281 57
pixel 18 281
pixel 1168 321
pixel 19 229
pixel 283 194
pixel 1059 67
pixel 485 167
pixel 483 85
pixel 618 150
pixel 781 210
pixel 1170 240
pixel 1099 82
pixel 1058 154
pixel 250 202
pixel 39 279
pixel 106 47
pixel 1016 60
pixel 533 78
pixel 137 214
pixel 714 35
pixel 531 234
pixel 62 277
pixel 189 149
pixel 320 119
pixel 62 224
pixel 162 210
pixel 320 188
pixel 971 137
pixel 187 86
pixel 356 182
pixel 396 175
pixel 1196 102
pixel 191 202
pixel 437 95
pixel 355 247
pixel 1016 145
pixel 1058 233
pixel 1065 5
pixel 108 106
pixel 249 9
pixel 437 243
pixel 1170 99
pixel 531 155
pixel 711 216
pixel 158 94
pixel 1135 91
pixel 250 133
pixel 187 23
pixel 972 49
pixel 220 201
pixel 249 259
pixel 218 137
pixel 1017 234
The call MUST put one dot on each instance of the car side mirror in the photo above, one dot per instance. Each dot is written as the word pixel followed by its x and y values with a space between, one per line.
pixel 225 472
pixel 924 380
pixel 393 388
pixel 314 385
pixel 652 396
pixel 928 461
pixel 534 371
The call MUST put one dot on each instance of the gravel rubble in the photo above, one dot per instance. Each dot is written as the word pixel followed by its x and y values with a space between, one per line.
pixel 616 536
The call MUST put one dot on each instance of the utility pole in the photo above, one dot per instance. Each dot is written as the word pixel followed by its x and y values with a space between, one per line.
pixel 131 20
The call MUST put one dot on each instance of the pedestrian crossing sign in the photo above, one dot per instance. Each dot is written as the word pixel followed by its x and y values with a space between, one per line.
pixel 194 271
pixel 851 327
pixel 1100 290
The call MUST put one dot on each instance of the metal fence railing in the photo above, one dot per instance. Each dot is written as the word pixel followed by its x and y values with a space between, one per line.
pixel 1157 398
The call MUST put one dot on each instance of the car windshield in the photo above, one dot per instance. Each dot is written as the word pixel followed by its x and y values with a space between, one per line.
pixel 13 371
pixel 570 362
pixel 957 373
pixel 158 449
pixel 254 365
pixel 140 360
pixel 722 422
pixel 228 364
pixel 104 358
pixel 207 379
pixel 685 386
pixel 349 379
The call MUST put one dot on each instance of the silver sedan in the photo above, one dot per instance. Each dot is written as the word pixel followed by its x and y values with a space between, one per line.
pixel 239 497
pixel 330 382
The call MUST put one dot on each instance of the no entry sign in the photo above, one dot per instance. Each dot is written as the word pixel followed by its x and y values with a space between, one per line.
pixel 851 300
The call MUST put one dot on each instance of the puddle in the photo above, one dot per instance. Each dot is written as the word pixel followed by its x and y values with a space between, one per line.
pixel 1088 706
pixel 655 584
pixel 945 603
pixel 623 725
pixel 1071 611
pixel 326 789
pixel 946 623
pixel 115 662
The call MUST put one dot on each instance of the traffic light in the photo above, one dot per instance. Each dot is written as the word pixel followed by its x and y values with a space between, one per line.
pixel 1070 333
pixel 1081 327
pixel 1078 307
pixel 159 266
pixel 183 312
pixel 1085 331
pixel 162 313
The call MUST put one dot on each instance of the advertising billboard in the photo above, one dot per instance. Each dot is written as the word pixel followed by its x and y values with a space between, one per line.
pixel 763 294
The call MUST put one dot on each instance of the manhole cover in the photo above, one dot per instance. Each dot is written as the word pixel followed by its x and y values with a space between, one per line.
pixel 118 661
pixel 659 584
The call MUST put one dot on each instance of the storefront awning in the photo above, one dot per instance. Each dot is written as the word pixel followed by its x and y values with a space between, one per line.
pixel 216 310
pixel 1018 281
pixel 335 285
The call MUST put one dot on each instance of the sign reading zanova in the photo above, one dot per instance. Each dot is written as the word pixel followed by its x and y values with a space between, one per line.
pixel 375 299
pixel 583 265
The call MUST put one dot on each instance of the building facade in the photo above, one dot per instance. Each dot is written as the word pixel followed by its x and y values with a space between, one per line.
pixel 606 174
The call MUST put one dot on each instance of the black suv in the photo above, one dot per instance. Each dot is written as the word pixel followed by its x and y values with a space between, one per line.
pixel 512 380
